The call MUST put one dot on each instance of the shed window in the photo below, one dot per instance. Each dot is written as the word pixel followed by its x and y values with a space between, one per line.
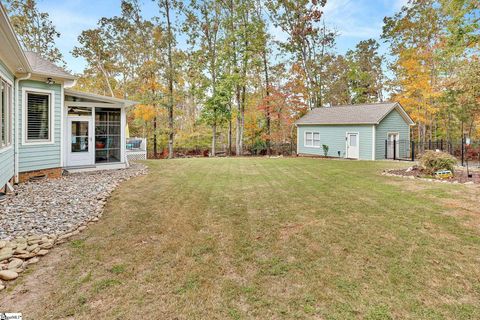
pixel 38 117
pixel 312 139
pixel 5 114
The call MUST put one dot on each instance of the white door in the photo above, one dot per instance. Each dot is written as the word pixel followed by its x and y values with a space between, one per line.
pixel 80 142
pixel 392 140
pixel 352 146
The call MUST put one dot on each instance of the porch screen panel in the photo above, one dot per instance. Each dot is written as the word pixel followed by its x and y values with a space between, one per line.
pixel 107 135
pixel 38 116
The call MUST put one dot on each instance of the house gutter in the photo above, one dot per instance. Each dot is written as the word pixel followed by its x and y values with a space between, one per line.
pixel 17 123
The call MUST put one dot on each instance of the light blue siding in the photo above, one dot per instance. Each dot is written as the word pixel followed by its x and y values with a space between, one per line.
pixel 6 165
pixel 44 156
pixel 334 137
pixel 7 154
pixel 393 122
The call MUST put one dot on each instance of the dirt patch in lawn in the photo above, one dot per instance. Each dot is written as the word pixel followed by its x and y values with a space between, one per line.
pixel 28 292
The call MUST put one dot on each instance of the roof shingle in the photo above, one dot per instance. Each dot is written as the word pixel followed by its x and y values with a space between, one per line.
pixel 42 66
pixel 349 114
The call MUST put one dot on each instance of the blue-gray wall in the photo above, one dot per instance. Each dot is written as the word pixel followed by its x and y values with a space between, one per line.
pixel 6 154
pixel 41 156
pixel 392 123
pixel 334 137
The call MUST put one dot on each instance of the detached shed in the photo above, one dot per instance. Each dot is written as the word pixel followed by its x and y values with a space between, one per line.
pixel 354 131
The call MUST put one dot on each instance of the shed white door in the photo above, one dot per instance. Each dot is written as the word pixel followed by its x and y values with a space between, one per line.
pixel 80 146
pixel 392 145
pixel 352 146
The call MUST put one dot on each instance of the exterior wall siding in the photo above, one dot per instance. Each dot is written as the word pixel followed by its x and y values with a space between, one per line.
pixel 41 156
pixel 7 162
pixel 334 137
pixel 392 123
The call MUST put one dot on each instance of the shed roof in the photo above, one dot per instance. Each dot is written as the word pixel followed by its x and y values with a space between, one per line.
pixel 353 114
pixel 42 66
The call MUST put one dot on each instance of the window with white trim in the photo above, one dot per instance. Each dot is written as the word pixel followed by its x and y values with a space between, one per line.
pixel 38 116
pixel 5 114
pixel 312 139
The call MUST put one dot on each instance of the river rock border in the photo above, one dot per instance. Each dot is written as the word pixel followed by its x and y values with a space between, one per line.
pixel 18 253
pixel 389 173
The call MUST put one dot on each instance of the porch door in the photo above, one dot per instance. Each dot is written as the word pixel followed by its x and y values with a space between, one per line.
pixel 352 146
pixel 81 150
pixel 392 139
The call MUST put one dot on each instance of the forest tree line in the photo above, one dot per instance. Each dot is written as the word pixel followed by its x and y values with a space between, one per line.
pixel 212 74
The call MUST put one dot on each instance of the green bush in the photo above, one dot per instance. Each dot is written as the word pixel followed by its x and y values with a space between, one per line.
pixel 325 150
pixel 432 161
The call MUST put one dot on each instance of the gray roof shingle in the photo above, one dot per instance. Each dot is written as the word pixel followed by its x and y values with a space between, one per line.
pixel 44 67
pixel 350 114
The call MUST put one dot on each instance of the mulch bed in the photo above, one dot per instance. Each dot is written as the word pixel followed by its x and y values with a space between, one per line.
pixel 460 175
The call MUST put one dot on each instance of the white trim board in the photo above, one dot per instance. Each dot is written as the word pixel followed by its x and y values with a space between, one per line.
pixel 51 128
pixel 346 144
pixel 374 142
pixel 305 139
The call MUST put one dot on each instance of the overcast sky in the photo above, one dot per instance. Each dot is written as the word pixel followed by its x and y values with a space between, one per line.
pixel 355 20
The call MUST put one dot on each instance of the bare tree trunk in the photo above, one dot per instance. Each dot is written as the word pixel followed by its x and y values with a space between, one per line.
pixel 238 149
pixel 267 111
pixel 155 151
pixel 230 132
pixel 170 81
pixel 214 139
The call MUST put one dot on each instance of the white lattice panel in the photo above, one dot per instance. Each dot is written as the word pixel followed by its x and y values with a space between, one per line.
pixel 136 155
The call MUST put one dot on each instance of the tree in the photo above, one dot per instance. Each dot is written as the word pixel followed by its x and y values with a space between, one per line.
pixel 337 71
pixel 34 28
pixel 165 7
pixel 308 41
pixel 99 55
pixel 413 34
pixel 365 74
pixel 216 110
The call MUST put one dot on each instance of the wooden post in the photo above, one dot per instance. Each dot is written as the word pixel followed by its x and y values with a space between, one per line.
pixel 412 146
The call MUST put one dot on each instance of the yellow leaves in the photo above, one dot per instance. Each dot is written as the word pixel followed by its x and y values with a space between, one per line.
pixel 144 112
pixel 416 78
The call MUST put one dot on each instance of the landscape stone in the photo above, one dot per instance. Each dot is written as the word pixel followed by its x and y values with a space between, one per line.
pixel 49 208
pixel 15 263
pixel 33 260
pixel 8 275
pixel 42 252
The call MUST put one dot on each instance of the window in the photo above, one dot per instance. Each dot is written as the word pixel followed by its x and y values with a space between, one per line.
pixel 38 115
pixel 5 114
pixel 312 139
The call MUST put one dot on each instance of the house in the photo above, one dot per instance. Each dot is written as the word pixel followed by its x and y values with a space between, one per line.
pixel 355 131
pixel 46 126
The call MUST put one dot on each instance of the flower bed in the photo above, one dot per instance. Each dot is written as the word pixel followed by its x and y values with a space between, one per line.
pixel 419 173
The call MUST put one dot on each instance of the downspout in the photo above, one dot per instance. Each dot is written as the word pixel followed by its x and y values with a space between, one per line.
pixel 17 122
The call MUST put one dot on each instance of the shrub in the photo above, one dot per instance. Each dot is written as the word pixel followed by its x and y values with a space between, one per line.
pixel 432 161
pixel 325 150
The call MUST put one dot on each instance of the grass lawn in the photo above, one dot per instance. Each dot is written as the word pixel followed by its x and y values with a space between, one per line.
pixel 274 239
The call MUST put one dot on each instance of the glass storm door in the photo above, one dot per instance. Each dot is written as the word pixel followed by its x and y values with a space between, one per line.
pixel 80 146
pixel 352 146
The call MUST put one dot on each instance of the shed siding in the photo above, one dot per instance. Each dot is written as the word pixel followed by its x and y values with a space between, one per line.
pixel 393 122
pixel 46 156
pixel 334 137
pixel 7 162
